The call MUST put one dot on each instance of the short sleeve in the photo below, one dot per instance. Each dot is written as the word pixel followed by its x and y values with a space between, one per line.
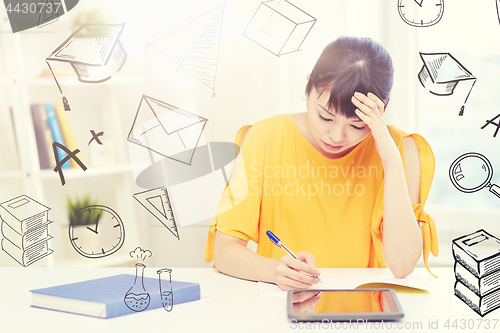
pixel 427 225
pixel 238 210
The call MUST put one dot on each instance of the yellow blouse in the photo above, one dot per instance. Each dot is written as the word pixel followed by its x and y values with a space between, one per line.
pixel 331 208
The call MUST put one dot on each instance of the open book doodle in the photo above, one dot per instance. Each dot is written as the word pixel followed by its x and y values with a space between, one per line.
pixel 350 280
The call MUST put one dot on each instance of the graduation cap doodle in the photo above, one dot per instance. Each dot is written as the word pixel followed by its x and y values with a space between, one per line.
pixel 441 73
pixel 95 63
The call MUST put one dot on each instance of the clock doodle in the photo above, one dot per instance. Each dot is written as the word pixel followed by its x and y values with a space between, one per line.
pixel 421 13
pixel 102 235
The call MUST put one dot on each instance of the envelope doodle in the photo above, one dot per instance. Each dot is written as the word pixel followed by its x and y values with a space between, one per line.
pixel 166 130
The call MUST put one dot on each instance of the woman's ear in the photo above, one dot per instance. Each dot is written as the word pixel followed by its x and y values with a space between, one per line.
pixel 308 75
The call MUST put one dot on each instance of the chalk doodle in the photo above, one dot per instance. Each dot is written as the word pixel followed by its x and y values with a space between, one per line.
pixel 95 136
pixel 60 162
pixel 472 172
pixel 141 254
pixel 93 63
pixel 48 13
pixel 441 73
pixel 477 271
pixel 25 231
pixel 492 122
pixel 166 291
pixel 137 298
pixel 195 46
pixel 498 9
pixel 157 202
pixel 166 130
pixel 26 14
pixel 104 236
pixel 279 27
pixel 421 13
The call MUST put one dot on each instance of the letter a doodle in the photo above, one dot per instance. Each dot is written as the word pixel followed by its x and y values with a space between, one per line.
pixel 70 154
pixel 492 121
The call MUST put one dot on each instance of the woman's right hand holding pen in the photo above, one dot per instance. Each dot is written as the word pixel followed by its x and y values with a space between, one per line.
pixel 291 273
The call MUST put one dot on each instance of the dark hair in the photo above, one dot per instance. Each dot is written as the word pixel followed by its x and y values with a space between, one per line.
pixel 351 64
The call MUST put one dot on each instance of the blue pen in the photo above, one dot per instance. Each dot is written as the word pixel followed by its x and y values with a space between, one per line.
pixel 278 243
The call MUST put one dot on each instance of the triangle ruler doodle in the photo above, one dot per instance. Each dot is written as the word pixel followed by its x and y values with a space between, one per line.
pixel 48 13
pixel 157 202
pixel 195 46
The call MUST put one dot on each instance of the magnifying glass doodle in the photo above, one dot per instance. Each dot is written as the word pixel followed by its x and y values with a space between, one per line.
pixel 472 172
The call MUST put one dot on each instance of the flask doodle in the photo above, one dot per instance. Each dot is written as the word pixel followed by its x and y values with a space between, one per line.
pixel 137 298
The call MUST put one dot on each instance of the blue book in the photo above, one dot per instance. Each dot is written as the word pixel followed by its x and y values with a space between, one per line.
pixel 57 135
pixel 106 297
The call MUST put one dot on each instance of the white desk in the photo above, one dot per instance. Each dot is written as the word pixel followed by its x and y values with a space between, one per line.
pixel 227 305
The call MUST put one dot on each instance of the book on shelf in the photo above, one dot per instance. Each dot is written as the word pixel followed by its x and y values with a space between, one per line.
pixel 59 71
pixel 481 304
pixel 105 297
pixel 51 124
pixel 57 135
pixel 67 132
pixel 43 136
pixel 24 227
pixel 478 252
pixel 9 150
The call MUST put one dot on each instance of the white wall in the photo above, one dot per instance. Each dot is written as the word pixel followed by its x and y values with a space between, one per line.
pixel 253 84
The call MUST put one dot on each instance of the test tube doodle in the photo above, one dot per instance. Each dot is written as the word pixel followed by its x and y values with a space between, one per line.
pixel 166 292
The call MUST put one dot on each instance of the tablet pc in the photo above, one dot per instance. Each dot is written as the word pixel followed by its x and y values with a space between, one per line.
pixel 343 305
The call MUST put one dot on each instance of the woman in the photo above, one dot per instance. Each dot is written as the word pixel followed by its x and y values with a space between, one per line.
pixel 335 182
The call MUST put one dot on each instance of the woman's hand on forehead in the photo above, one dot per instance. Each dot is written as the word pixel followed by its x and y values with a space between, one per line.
pixel 370 109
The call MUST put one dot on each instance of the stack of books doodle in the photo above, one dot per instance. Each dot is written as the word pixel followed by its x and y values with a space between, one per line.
pixel 24 225
pixel 477 271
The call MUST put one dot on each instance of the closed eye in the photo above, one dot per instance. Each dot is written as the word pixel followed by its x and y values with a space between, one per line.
pixel 358 128
pixel 324 119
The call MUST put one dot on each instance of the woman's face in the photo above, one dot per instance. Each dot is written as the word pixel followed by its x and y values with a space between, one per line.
pixel 334 134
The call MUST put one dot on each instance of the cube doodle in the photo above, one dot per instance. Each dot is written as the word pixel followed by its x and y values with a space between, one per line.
pixel 279 27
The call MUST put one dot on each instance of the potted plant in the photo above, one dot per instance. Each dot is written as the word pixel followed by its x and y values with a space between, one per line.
pixel 85 40
pixel 75 205
pixel 94 15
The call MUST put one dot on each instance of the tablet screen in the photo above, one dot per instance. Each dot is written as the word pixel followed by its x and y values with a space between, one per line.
pixel 375 303
pixel 345 301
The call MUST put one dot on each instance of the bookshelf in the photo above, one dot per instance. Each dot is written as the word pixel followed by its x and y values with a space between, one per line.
pixel 11 174
pixel 19 89
pixel 118 260
pixel 70 82
pixel 75 173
